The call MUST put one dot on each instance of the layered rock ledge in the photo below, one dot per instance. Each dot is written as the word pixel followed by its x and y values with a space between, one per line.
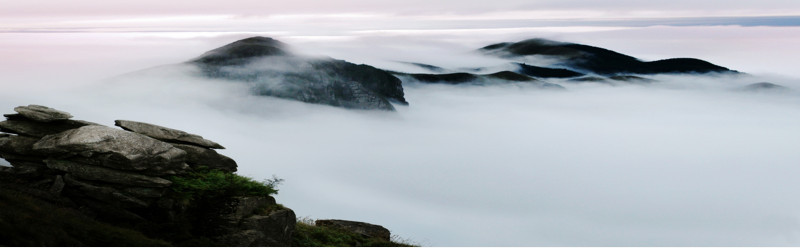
pixel 127 175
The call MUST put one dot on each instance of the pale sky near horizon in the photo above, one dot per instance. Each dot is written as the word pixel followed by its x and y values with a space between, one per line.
pixel 326 16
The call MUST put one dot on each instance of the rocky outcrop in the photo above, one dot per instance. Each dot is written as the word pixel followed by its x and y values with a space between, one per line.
pixel 365 229
pixel 127 175
pixel 272 70
pixel 144 178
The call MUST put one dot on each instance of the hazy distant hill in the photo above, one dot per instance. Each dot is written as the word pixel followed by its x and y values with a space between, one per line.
pixel 275 71
pixel 589 59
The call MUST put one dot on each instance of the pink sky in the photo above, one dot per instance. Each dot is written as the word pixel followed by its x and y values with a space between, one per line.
pixel 248 15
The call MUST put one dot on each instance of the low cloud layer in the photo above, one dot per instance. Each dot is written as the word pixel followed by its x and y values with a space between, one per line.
pixel 684 161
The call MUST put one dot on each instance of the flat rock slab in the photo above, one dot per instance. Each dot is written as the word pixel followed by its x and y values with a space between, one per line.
pixel 28 127
pixel 198 156
pixel 41 113
pixel 118 149
pixel 94 173
pixel 166 134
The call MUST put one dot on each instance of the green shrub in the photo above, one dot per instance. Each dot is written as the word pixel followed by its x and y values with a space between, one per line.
pixel 205 183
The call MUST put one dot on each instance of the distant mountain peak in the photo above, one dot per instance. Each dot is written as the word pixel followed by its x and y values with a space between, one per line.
pixel 242 50
pixel 270 69
pixel 590 59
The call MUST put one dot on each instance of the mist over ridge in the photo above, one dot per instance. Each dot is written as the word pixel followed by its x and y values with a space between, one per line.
pixel 683 160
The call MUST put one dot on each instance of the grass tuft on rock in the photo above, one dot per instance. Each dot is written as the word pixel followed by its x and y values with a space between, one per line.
pixel 206 183
pixel 307 234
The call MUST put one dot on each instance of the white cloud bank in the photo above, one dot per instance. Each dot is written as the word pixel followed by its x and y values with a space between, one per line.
pixel 686 161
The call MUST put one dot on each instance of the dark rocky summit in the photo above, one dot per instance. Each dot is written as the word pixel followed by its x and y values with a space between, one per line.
pixel 240 52
pixel 589 59
pixel 148 184
pixel 272 70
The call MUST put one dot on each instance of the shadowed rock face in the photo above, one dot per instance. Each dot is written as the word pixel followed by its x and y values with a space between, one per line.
pixel 599 60
pixel 272 70
pixel 107 175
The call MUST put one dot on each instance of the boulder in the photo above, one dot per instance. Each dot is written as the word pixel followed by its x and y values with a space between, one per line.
pixel 102 174
pixel 28 127
pixel 41 113
pixel 198 156
pixel 366 229
pixel 116 148
pixel 245 206
pixel 166 134
pixel 273 229
pixel 245 224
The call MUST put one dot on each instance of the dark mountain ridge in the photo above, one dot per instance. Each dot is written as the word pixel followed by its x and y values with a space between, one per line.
pixel 272 70
pixel 601 61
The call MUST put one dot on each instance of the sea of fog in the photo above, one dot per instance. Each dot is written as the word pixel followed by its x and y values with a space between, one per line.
pixel 683 161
